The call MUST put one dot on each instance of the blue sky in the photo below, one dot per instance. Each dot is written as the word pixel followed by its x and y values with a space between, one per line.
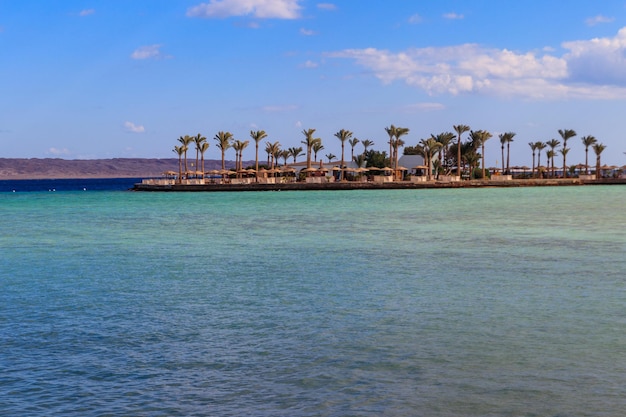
pixel 108 78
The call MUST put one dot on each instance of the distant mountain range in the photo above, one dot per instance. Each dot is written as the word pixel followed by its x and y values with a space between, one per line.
pixel 36 168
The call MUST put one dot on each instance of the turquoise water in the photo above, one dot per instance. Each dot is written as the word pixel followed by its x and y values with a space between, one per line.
pixel 486 302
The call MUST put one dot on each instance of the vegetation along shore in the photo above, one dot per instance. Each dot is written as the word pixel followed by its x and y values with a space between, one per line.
pixel 446 159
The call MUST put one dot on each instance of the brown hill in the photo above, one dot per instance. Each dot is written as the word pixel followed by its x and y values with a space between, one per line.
pixel 36 168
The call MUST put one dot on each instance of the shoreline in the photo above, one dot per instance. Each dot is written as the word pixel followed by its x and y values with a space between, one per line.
pixel 399 185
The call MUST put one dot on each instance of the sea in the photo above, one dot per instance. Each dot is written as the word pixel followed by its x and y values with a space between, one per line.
pixel 443 302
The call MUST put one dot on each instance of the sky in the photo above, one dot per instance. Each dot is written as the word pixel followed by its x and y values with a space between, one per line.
pixel 84 79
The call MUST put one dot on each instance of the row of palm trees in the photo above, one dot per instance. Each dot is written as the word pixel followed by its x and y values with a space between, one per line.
pixel 566 134
pixel 439 151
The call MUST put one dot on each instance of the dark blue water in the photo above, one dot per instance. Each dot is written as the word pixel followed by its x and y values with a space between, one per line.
pixel 91 184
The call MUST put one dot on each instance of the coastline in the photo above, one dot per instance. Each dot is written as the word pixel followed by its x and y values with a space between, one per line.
pixel 398 185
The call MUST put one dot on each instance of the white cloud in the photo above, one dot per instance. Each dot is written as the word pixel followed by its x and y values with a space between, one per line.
pixel 133 128
pixel 453 16
pixel 591 69
pixel 309 64
pixel 307 32
pixel 147 52
pixel 592 21
pixel 86 12
pixel 599 60
pixel 326 6
pixel 57 151
pixel 298 124
pixel 416 18
pixel 261 9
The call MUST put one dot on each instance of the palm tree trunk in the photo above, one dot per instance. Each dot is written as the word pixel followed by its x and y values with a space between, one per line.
pixel 508 155
pixel 458 156
pixel 256 162
pixel 482 157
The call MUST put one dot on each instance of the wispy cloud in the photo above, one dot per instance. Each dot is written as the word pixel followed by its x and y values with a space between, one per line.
pixel 147 52
pixel 590 69
pixel 133 128
pixel 453 16
pixel 326 6
pixel 420 107
pixel 592 21
pixel 307 32
pixel 310 64
pixel 415 19
pixel 279 109
pixel 260 9
pixel 86 12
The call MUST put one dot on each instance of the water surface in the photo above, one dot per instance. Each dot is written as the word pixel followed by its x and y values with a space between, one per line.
pixel 486 302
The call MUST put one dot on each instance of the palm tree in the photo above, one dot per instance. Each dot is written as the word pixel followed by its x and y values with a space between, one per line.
pixel 510 136
pixel 203 148
pixel 444 138
pixel 180 150
pixel 550 157
pixel 277 154
pixel 359 160
pixel 295 152
pixel 239 146
pixel 285 154
pixel 257 136
pixel 199 140
pixel 268 150
pixel 565 135
pixel 533 147
pixel 480 137
pixel 223 142
pixel 400 131
pixel 598 148
pixel 366 144
pixel 459 129
pixel 564 152
pixel 506 139
pixel 429 148
pixel 316 148
pixel 342 135
pixel 185 141
pixel 272 148
pixel 391 131
pixel 552 143
pixel 471 159
pixel 309 141
pixel 588 141
pixel 540 146
pixel 353 143
pixel 330 157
